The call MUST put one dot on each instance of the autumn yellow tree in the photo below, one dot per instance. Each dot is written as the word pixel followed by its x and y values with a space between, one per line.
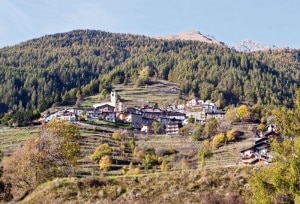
pixel 143 77
pixel 145 74
pixel 219 140
pixel 101 151
pixel 51 154
pixel 117 135
pixel 105 163
pixel 231 135
pixel 243 113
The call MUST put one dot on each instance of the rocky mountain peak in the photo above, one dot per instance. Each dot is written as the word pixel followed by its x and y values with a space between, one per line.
pixel 192 35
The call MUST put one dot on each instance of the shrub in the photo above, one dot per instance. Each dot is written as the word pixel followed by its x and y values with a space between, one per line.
pixel 164 166
pixel 219 140
pixel 134 171
pixel 139 154
pixel 124 170
pixel 131 144
pixel 211 127
pixel 205 148
pixel 92 183
pixel 198 131
pixel 117 135
pixel 231 135
pixel 102 150
pixel 152 160
pixel 261 127
pixel 184 131
pixel 170 152
pixel 105 162
pixel 126 134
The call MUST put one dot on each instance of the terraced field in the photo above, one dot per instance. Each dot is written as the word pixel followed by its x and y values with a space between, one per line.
pixel 93 136
pixel 11 138
pixel 90 140
pixel 227 155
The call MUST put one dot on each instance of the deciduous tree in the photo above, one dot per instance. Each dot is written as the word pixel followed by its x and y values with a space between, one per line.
pixel 101 151
pixel 105 162
pixel 219 140
pixel 49 155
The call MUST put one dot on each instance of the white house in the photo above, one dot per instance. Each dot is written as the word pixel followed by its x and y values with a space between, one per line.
pixel 192 103
pixel 62 115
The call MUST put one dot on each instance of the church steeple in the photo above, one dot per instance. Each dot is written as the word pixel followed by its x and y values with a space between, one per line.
pixel 113 98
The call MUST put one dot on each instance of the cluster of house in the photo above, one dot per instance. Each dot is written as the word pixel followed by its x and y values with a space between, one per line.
pixel 202 110
pixel 259 152
pixel 171 118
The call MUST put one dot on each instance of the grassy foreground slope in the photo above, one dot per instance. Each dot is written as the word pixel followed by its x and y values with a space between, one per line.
pixel 228 185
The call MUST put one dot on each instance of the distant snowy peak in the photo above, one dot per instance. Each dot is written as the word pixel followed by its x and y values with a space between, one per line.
pixel 192 35
pixel 251 46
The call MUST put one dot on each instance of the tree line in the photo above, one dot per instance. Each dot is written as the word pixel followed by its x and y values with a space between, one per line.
pixel 60 68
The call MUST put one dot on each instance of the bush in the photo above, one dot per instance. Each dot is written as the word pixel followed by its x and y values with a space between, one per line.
pixel 102 150
pixel 219 140
pixel 211 127
pixel 184 131
pixel 134 171
pixel 152 160
pixel 164 166
pixel 231 135
pixel 198 131
pixel 170 152
pixel 205 148
pixel 139 154
pixel 105 162
pixel 261 127
pixel 92 183
pixel 131 144
pixel 117 135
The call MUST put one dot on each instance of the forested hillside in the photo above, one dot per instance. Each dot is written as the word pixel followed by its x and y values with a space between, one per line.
pixel 63 67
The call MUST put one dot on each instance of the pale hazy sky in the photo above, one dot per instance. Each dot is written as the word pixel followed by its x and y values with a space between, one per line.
pixel 231 21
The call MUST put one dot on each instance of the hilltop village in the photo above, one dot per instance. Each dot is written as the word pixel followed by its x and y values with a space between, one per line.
pixel 171 118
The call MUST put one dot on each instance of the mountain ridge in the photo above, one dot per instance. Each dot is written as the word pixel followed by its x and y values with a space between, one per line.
pixel 192 35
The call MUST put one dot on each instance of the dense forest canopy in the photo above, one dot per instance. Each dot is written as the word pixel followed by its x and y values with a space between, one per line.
pixel 58 68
